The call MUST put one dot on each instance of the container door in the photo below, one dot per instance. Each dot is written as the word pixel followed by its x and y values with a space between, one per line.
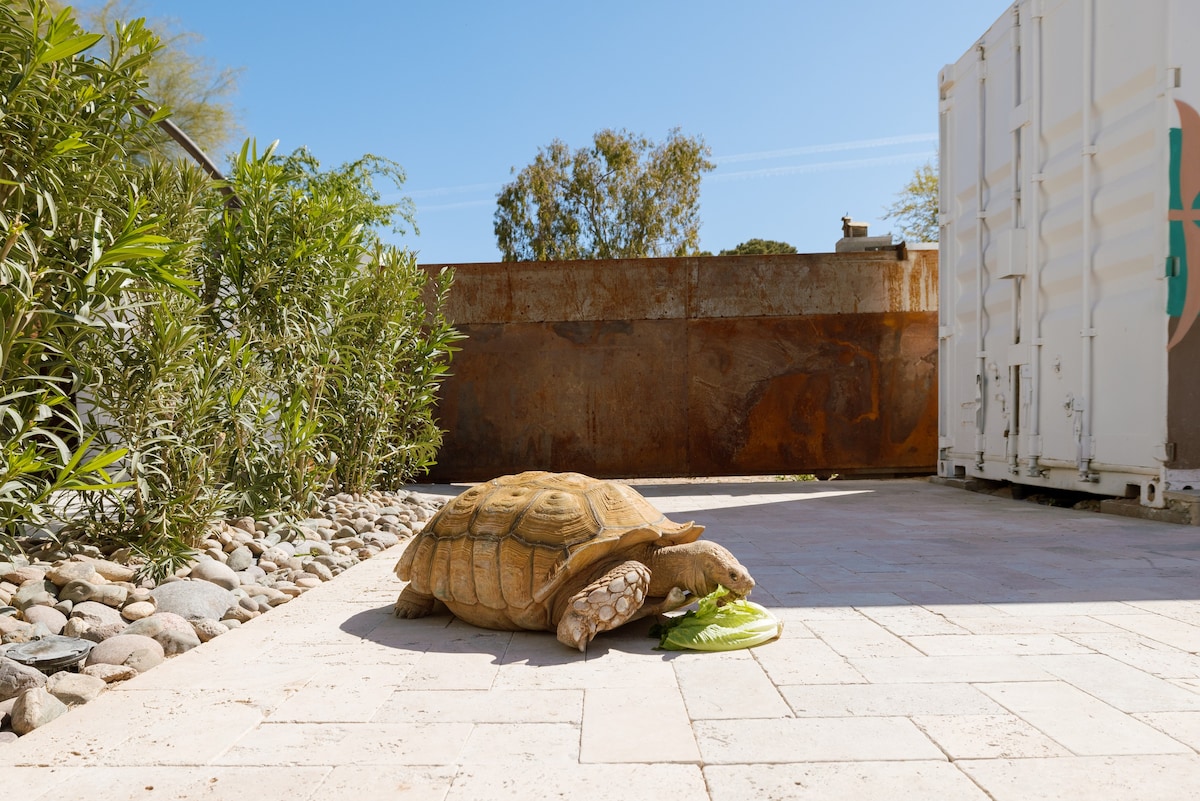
pixel 1056 146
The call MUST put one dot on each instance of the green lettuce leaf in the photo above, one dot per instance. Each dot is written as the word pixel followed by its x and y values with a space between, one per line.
pixel 718 624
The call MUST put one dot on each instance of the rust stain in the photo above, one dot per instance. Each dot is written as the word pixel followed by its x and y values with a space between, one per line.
pixel 726 391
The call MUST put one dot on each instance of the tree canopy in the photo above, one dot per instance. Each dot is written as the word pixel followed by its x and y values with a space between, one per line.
pixel 916 206
pixel 759 247
pixel 623 197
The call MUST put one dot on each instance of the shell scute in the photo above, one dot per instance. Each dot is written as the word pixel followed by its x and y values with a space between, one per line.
pixel 486 572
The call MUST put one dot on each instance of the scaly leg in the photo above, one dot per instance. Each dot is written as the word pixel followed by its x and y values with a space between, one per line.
pixel 412 604
pixel 607 602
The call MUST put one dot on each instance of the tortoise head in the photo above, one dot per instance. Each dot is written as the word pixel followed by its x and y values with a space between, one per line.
pixel 699 567
pixel 720 567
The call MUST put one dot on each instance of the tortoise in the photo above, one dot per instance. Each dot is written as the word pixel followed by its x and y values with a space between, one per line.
pixel 560 552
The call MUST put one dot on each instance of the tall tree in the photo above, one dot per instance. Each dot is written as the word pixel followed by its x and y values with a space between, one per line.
pixel 916 206
pixel 623 197
pixel 759 247
pixel 197 91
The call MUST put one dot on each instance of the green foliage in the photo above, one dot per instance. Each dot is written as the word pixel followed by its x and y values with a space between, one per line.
pixel 916 206
pixel 393 353
pixel 759 247
pixel 70 238
pixel 178 357
pixel 286 269
pixel 197 92
pixel 624 197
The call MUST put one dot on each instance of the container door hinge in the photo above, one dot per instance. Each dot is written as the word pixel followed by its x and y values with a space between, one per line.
pixel 1169 451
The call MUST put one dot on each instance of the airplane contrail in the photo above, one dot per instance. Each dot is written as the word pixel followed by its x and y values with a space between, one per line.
pixel 860 144
pixel 770 172
pixel 450 190
pixel 463 205
pixel 718 175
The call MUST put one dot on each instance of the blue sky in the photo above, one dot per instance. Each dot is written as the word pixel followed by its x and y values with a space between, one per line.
pixel 812 110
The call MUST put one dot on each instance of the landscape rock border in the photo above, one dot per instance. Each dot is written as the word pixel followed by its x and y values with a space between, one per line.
pixel 245 568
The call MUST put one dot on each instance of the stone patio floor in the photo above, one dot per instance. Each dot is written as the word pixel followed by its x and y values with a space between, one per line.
pixel 939 644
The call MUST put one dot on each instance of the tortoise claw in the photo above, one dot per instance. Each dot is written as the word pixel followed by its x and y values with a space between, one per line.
pixel 412 604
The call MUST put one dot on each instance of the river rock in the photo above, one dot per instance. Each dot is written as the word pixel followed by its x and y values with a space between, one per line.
pixel 135 650
pixel 16 678
pixel 94 621
pixel 381 539
pixel 109 674
pixel 240 613
pixel 77 590
pixel 10 625
pixel 74 689
pixel 67 572
pixel 319 570
pixel 239 559
pixel 193 599
pixel 36 592
pixel 169 630
pixel 138 610
pixel 207 629
pixel 139 594
pixel 245 524
pixel 31 631
pixel 252 575
pixel 110 595
pixel 48 616
pixel 317 547
pixel 35 708
pixel 113 571
pixel 19 574
pixel 215 572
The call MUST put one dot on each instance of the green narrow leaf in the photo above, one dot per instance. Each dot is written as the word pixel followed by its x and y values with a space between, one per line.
pixel 68 48
pixel 103 460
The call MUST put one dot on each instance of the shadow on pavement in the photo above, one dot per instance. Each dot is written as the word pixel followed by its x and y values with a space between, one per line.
pixel 902 543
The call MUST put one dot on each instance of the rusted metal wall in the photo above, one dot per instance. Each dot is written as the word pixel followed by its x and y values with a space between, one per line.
pixel 738 365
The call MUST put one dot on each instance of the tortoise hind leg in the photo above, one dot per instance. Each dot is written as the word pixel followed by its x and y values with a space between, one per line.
pixel 607 602
pixel 412 604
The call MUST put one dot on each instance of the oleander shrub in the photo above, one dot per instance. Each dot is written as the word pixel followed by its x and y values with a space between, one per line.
pixel 174 349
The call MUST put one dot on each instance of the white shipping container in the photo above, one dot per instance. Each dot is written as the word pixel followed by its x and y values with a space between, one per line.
pixel 1070 205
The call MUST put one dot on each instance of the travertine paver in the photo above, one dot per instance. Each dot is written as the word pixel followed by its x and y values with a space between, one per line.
pixel 723 742
pixel 1132 778
pixel 937 644
pixel 987 736
pixel 852 781
pixel 636 726
pixel 887 700
pixel 752 694
pixel 1086 725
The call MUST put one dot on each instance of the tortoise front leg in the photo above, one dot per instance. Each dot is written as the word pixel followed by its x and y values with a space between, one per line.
pixel 607 602
pixel 412 604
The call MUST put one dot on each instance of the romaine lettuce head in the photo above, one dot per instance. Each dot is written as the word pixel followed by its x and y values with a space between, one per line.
pixel 718 624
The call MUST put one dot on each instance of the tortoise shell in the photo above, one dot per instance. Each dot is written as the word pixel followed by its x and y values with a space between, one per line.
pixel 500 550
